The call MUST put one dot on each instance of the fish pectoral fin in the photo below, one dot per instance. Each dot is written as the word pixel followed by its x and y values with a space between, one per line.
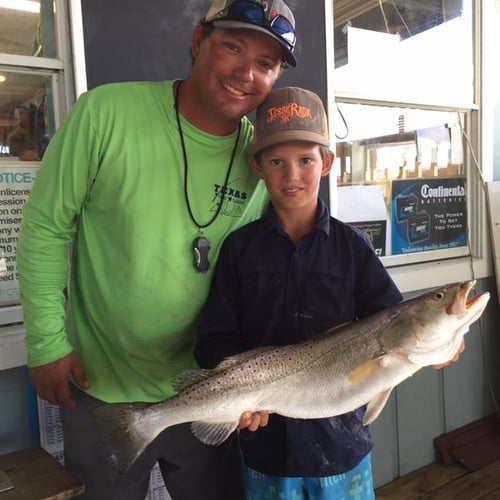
pixel 366 370
pixel 375 406
pixel 213 433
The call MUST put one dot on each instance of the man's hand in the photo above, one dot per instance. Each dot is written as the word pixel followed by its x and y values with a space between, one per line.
pixel 252 421
pixel 51 381
pixel 454 359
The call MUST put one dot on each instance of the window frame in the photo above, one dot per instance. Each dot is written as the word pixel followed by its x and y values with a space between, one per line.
pixel 67 26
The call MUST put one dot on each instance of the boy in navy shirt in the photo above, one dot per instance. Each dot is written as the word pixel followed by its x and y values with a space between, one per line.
pixel 285 278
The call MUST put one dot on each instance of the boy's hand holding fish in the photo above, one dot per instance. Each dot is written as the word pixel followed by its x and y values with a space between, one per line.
pixel 253 420
pixel 454 359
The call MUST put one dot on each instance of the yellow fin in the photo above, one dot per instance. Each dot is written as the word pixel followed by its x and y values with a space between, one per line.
pixel 365 371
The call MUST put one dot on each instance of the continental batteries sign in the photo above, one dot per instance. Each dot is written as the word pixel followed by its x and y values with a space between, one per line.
pixel 428 214
pixel 16 181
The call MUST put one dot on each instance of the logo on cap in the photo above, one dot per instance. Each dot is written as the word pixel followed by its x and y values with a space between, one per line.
pixel 290 114
pixel 287 112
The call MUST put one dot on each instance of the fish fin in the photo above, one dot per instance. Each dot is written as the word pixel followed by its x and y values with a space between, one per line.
pixel 375 406
pixel 334 330
pixel 365 371
pixel 225 364
pixel 242 356
pixel 124 444
pixel 213 433
pixel 189 377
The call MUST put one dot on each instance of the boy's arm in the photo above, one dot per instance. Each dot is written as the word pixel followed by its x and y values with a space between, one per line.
pixel 375 289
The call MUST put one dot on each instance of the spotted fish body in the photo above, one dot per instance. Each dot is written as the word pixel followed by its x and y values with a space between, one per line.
pixel 336 372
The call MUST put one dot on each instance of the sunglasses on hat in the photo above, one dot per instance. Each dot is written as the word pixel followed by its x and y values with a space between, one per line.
pixel 253 13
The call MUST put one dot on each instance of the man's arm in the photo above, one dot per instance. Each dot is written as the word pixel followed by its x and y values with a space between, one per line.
pixel 50 219
pixel 51 380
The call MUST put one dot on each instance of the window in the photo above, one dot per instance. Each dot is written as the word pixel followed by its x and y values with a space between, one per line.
pixel 404 88
pixel 35 93
pixel 405 50
pixel 406 185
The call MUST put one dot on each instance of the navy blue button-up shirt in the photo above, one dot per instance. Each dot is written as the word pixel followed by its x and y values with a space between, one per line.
pixel 269 291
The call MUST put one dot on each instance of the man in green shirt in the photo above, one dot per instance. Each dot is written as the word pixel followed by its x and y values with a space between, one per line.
pixel 142 182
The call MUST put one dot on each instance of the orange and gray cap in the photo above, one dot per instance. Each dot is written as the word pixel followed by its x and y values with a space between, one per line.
pixel 272 17
pixel 290 114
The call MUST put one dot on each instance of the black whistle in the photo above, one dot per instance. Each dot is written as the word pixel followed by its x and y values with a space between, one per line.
pixel 201 247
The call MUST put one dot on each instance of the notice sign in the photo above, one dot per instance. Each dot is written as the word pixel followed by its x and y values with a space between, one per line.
pixel 428 214
pixel 16 181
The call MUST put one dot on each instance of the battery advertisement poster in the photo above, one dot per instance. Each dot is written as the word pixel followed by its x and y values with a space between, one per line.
pixel 428 214
pixel 376 230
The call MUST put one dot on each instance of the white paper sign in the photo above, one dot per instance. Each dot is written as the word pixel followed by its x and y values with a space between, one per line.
pixel 16 181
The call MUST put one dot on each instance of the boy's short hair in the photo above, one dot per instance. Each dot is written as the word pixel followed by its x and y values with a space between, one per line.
pixel 290 114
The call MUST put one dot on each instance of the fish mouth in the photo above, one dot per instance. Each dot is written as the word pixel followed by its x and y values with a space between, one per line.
pixel 463 305
pixel 464 292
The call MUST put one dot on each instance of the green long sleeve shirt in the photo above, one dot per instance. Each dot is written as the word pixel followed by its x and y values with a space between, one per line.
pixel 111 190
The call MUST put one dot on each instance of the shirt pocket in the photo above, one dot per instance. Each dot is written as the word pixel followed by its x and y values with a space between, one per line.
pixel 328 299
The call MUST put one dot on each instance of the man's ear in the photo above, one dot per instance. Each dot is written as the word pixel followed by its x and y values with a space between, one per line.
pixel 327 164
pixel 196 38
pixel 255 165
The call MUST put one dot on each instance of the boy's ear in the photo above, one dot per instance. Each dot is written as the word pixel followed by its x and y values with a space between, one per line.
pixel 257 169
pixel 327 164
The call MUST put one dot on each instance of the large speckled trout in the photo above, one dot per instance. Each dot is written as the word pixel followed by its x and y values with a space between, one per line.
pixel 336 372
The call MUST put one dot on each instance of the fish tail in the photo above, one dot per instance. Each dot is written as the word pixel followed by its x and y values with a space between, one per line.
pixel 123 440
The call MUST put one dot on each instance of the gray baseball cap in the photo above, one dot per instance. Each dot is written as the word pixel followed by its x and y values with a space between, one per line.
pixel 271 17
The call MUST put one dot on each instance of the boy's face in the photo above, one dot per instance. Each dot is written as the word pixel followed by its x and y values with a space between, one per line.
pixel 292 172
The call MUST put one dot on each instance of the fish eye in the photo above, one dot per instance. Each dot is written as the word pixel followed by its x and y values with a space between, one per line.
pixel 439 295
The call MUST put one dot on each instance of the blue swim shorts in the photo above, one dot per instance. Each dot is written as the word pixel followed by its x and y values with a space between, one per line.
pixel 356 484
